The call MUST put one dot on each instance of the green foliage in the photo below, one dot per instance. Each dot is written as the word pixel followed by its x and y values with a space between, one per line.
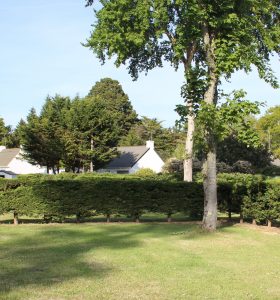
pixel 117 103
pixel 73 133
pixel 269 130
pixel 142 34
pixel 5 134
pixel 146 129
pixel 230 118
pixel 132 195
pixel 270 171
pixel 234 187
pixel 146 172
pixel 41 135
pixel 264 206
pixel 231 150
pixel 62 196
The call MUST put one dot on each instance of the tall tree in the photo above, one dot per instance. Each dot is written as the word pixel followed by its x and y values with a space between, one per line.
pixel 15 138
pixel 96 124
pixel 42 135
pixel 269 129
pixel 211 39
pixel 4 131
pixel 117 102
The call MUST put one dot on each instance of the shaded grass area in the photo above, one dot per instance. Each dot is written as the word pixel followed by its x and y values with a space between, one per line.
pixel 137 261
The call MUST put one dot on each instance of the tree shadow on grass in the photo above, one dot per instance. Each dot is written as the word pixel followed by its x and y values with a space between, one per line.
pixel 52 254
pixel 46 255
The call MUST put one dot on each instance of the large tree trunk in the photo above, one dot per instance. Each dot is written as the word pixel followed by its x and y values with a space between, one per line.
pixel 210 174
pixel 188 162
pixel 209 168
pixel 210 191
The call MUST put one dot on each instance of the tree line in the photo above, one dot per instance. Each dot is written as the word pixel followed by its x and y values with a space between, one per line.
pixel 74 133
pixel 82 134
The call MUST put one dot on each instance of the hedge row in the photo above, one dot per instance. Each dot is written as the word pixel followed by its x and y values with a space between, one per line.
pixel 263 207
pixel 65 195
pixel 252 196
pixel 85 195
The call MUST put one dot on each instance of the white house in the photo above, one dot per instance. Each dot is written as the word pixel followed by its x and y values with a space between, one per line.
pixel 12 163
pixel 7 174
pixel 134 158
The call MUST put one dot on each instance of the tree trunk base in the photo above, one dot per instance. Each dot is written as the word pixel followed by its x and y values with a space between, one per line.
pixel 15 218
pixel 269 223
pixel 108 220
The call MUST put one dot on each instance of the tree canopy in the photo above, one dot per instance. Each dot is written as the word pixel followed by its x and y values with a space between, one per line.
pixel 269 129
pixel 73 133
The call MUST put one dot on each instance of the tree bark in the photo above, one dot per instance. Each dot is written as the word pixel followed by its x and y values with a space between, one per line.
pixel 269 223
pixel 15 218
pixel 210 192
pixel 108 218
pixel 188 161
pixel 241 218
pixel 254 222
pixel 209 221
pixel 169 220
pixel 136 218
pixel 78 218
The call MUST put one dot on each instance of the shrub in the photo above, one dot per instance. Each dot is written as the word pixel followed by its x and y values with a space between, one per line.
pixel 145 172
pixel 129 195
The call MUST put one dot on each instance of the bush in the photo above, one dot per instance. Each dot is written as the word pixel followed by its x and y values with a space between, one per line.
pixel 243 166
pixel 270 171
pixel 146 172
pixel 173 165
pixel 264 206
pixel 102 194
pixel 233 187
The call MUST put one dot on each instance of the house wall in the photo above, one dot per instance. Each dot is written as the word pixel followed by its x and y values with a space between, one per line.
pixel 7 176
pixel 20 166
pixel 149 160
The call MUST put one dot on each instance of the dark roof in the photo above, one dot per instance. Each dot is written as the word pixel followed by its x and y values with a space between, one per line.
pixel 128 157
pixel 7 172
pixel 7 155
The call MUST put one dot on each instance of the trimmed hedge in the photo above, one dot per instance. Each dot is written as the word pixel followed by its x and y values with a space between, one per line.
pixel 82 195
pixel 263 207
pixel 233 187
pixel 59 196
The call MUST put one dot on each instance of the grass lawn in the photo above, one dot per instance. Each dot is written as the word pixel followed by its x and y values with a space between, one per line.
pixel 137 261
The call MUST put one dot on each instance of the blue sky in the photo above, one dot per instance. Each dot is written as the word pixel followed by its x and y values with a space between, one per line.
pixel 41 54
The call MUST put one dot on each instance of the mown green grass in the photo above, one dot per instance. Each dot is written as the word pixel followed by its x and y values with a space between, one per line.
pixel 137 261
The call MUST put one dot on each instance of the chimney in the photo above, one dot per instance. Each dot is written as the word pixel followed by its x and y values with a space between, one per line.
pixel 150 144
pixel 2 148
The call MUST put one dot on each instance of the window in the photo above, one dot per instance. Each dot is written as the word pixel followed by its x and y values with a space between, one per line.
pixel 122 172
